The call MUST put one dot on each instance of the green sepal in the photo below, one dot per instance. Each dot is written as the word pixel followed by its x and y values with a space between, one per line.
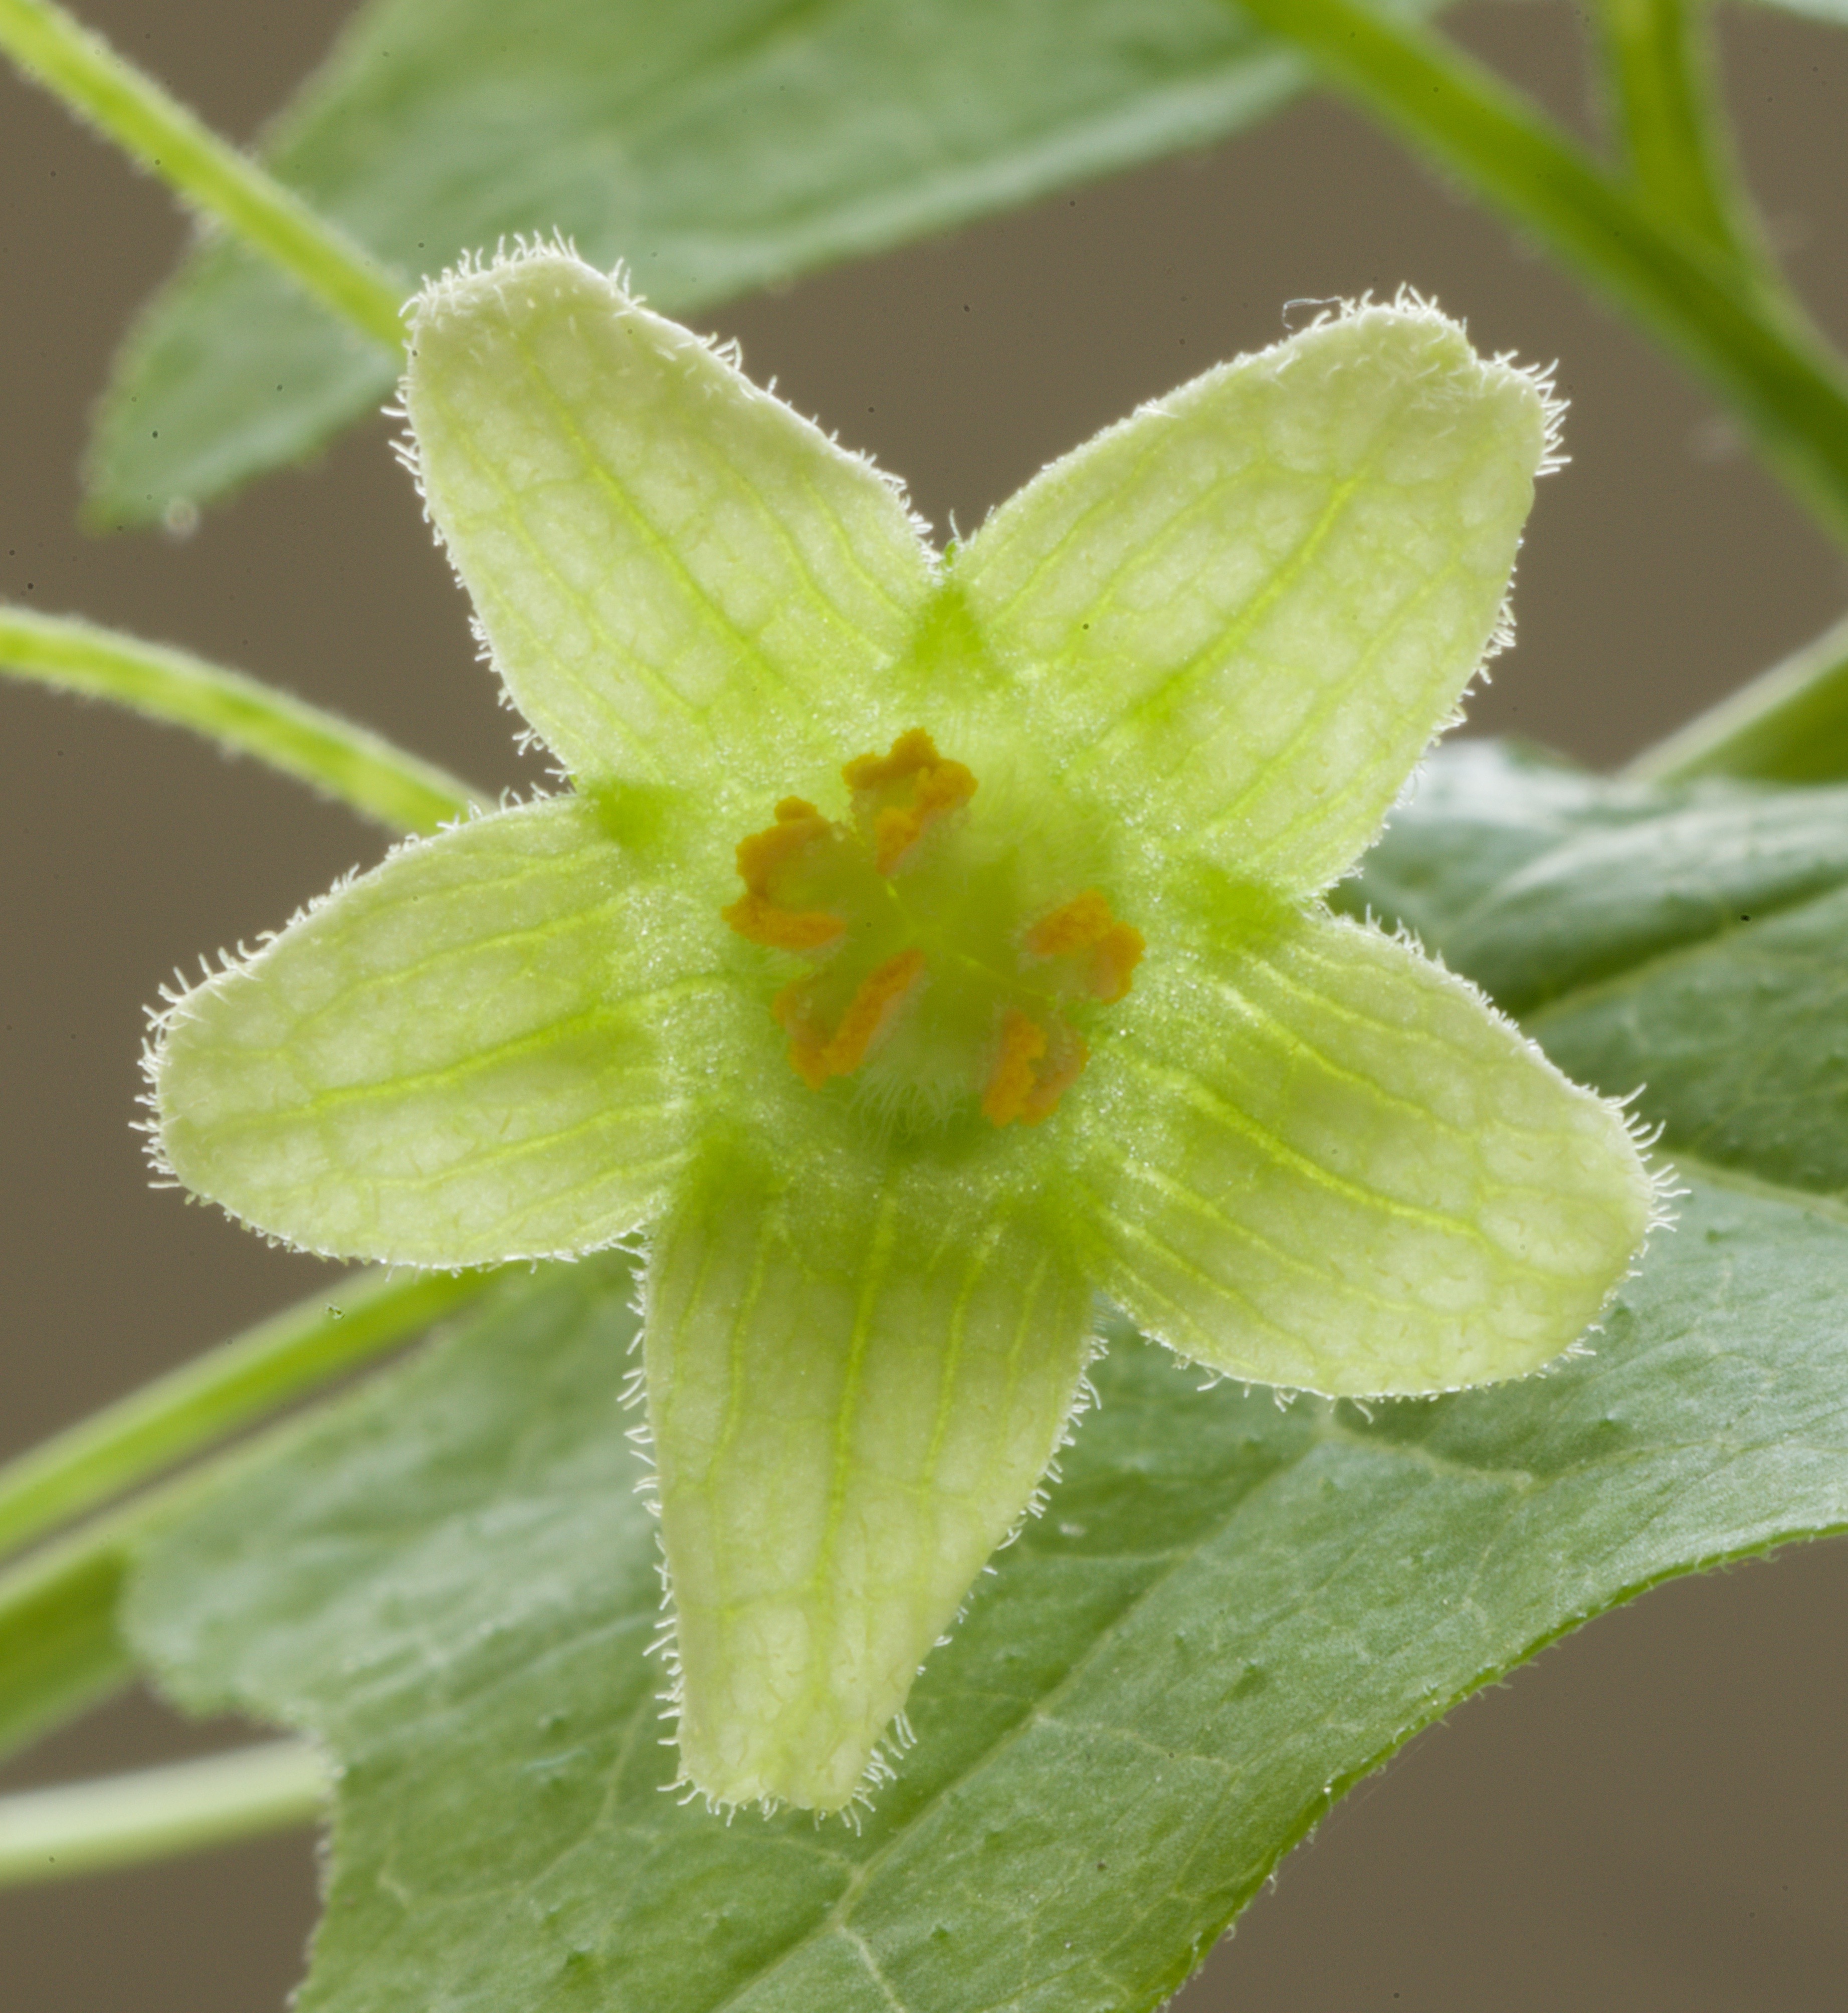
pixel 453 1060
pixel 1317 1160
pixel 682 582
pixel 857 1381
pixel 1241 615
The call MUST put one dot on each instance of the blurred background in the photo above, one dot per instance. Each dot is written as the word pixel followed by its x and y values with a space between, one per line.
pixel 1654 1814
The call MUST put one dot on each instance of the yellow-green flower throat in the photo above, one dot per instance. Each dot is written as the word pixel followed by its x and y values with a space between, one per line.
pixel 933 959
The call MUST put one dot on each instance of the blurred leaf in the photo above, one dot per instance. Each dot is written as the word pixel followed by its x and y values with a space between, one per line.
pixel 715 145
pixel 1690 939
pixel 1229 1613
pixel 1817 10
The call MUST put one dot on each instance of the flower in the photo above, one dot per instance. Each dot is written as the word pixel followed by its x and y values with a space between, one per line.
pixel 925 945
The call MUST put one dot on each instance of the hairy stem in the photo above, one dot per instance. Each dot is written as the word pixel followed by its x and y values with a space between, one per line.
pixel 1788 725
pixel 361 768
pixel 128 107
pixel 156 1813
pixel 243 1380
pixel 1765 362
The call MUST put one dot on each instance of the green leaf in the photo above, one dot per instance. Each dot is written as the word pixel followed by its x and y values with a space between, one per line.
pixel 1270 587
pixel 684 584
pixel 715 145
pixel 1230 1613
pixel 1686 939
pixel 455 1060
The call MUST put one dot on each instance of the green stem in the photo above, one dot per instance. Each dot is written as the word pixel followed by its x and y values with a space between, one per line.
pixel 156 1813
pixel 126 1443
pixel 60 1650
pixel 1788 725
pixel 77 65
pixel 359 767
pixel 1766 364
pixel 1658 66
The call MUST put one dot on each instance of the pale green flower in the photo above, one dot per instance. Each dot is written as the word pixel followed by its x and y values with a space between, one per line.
pixel 877 1072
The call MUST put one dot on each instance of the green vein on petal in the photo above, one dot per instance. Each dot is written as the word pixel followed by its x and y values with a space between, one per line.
pixel 1319 1161
pixel 453 1060
pixel 854 1388
pixel 682 580
pixel 1241 614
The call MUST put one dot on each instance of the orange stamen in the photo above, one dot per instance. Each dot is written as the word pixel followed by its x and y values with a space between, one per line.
pixel 914 749
pixel 1077 926
pixel 1010 1082
pixel 880 997
pixel 757 913
pixel 1114 961
pixel 1085 924
pixel 1034 1069
pixel 940 787
pixel 965 901
pixel 1056 1077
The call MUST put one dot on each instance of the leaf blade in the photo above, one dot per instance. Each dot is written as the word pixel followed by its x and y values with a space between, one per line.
pixel 1211 1634
pixel 718 147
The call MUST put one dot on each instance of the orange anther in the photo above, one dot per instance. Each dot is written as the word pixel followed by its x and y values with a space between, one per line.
pixel 873 1009
pixel 828 891
pixel 1010 1082
pixel 1113 960
pixel 940 787
pixel 880 998
pixel 1085 924
pixel 757 913
pixel 1077 926
pixel 914 749
pixel 808 1045
pixel 1056 1076
pixel 759 918
pixel 1034 1070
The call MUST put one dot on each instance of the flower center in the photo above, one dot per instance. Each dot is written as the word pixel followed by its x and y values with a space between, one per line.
pixel 935 962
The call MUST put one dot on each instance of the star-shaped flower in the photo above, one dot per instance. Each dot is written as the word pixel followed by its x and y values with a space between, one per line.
pixel 926 945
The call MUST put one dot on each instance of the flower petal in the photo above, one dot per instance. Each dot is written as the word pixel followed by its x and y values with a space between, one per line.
pixel 454 1061
pixel 1321 1161
pixel 1241 614
pixel 677 577
pixel 853 1392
